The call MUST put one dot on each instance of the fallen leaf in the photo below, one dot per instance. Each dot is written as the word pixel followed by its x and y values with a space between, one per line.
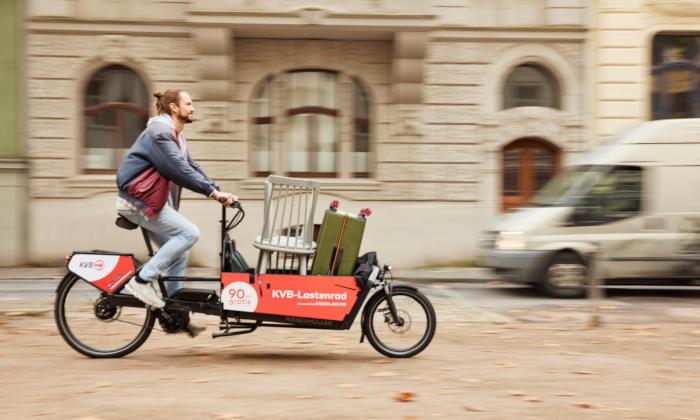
pixel 226 416
pixel 256 372
pixel 583 372
pixel 533 399
pixel 585 405
pixel 384 374
pixel 354 397
pixel 405 396
pixel 474 408
pixel 516 393
pixel 383 361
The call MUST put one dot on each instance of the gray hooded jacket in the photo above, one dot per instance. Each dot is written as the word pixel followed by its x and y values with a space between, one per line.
pixel 158 146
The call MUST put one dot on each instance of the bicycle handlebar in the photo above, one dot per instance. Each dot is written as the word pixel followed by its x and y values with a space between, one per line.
pixel 235 204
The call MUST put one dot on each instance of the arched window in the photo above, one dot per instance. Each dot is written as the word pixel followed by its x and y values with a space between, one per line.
pixel 308 141
pixel 311 123
pixel 531 85
pixel 361 130
pixel 262 109
pixel 527 165
pixel 115 111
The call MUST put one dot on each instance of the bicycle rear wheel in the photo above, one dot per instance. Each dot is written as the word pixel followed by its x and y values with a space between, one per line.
pixel 408 337
pixel 93 326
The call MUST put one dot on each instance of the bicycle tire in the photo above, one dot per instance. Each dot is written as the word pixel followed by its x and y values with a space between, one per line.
pixel 62 292
pixel 371 309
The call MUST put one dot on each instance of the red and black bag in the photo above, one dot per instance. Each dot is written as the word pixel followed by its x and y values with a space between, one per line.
pixel 152 188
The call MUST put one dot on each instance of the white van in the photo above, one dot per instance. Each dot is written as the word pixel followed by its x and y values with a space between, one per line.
pixel 637 196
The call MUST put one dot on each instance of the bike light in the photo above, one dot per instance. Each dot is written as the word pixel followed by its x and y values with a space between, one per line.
pixel 510 241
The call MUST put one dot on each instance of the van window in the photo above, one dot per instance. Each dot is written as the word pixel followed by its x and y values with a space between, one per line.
pixel 614 195
pixel 557 192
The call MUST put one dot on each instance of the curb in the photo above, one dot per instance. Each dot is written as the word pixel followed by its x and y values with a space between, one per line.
pixel 445 275
pixel 419 275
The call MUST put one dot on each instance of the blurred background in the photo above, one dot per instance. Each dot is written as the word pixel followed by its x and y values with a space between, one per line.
pixel 440 115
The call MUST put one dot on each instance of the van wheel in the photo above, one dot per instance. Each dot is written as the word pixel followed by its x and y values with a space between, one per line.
pixel 565 277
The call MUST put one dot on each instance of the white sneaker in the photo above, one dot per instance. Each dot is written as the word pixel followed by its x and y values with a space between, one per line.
pixel 145 293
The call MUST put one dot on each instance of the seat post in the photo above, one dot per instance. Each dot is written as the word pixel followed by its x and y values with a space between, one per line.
pixel 147 239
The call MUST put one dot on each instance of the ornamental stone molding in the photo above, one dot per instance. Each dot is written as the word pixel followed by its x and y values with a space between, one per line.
pixel 313 15
pixel 532 121
pixel 215 69
pixel 681 8
pixel 563 67
pixel 407 66
pixel 113 48
pixel 407 120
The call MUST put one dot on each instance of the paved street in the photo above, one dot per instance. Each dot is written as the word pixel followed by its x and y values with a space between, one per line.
pixel 469 302
pixel 500 351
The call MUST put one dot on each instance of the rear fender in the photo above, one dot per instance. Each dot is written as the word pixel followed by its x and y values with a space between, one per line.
pixel 106 271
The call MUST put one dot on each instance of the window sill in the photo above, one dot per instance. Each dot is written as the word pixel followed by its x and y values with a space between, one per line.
pixel 327 184
pixel 93 181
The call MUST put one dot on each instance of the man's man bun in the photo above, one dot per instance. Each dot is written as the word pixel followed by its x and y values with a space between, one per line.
pixel 164 99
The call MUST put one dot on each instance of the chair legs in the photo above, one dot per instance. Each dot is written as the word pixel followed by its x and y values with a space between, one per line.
pixel 302 264
pixel 262 262
pixel 264 258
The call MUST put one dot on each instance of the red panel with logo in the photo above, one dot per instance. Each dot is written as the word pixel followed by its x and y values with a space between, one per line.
pixel 106 271
pixel 318 297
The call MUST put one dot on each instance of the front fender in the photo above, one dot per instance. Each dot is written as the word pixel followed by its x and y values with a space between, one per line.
pixel 378 295
pixel 584 249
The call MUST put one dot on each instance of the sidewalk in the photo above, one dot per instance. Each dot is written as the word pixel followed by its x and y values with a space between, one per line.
pixel 420 275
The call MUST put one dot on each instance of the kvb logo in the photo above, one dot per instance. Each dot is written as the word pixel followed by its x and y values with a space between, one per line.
pixel 99 265
pixel 240 296
pixel 284 294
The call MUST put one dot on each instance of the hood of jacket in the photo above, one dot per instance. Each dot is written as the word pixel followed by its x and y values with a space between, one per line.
pixel 161 119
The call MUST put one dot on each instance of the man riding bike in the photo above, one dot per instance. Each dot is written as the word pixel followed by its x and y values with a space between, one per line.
pixel 150 181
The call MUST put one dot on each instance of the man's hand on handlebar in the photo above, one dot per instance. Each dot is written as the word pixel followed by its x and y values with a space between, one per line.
pixel 227 199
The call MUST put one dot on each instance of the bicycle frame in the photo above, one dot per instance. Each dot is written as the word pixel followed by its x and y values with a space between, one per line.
pixel 247 300
pixel 250 299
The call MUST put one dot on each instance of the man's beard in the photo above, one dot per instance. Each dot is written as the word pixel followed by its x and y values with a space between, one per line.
pixel 188 118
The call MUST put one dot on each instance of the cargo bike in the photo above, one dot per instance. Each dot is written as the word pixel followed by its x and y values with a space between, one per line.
pixel 98 319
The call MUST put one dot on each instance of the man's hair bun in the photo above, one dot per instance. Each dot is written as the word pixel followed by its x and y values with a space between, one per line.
pixel 164 99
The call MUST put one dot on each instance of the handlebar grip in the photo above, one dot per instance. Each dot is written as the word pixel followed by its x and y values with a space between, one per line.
pixel 221 200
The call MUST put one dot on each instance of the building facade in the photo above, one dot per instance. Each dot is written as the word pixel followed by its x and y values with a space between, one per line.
pixel 13 165
pixel 437 114
pixel 648 63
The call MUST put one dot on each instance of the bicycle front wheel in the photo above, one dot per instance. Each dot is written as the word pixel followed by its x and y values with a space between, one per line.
pixel 406 336
pixel 93 326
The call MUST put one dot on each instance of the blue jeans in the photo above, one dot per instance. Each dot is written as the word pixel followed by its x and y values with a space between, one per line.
pixel 174 235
